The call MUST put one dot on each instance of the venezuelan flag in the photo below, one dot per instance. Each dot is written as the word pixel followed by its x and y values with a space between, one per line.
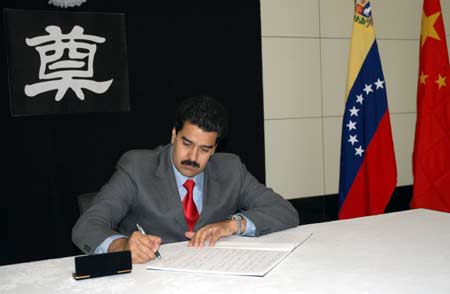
pixel 368 174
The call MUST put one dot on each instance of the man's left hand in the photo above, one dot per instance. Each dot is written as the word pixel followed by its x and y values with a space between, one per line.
pixel 212 232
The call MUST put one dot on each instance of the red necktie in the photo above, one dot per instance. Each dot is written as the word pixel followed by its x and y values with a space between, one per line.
pixel 190 210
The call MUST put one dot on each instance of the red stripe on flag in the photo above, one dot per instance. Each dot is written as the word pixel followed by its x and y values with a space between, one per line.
pixel 377 177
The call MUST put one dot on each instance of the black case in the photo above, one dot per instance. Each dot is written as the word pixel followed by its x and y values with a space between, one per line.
pixel 91 266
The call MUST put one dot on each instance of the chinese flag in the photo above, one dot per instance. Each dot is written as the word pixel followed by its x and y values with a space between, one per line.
pixel 431 158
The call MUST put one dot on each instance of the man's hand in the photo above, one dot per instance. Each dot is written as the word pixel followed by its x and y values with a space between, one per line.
pixel 142 247
pixel 213 232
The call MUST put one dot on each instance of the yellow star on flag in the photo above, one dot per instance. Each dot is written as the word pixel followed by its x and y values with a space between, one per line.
pixel 428 30
pixel 441 81
pixel 422 78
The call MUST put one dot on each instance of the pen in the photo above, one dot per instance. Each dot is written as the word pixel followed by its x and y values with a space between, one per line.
pixel 140 229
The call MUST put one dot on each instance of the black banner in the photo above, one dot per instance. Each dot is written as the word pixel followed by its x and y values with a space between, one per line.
pixel 66 62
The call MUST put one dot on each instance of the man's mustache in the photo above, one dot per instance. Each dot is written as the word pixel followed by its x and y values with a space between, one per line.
pixel 190 163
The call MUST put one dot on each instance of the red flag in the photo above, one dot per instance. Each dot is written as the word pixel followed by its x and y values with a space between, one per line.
pixel 431 158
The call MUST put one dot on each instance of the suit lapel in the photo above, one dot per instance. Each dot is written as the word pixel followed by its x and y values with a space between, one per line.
pixel 211 187
pixel 168 187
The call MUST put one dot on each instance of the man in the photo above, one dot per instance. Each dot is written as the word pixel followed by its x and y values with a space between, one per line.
pixel 181 191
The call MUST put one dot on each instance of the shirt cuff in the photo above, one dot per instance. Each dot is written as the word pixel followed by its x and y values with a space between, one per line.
pixel 250 229
pixel 103 247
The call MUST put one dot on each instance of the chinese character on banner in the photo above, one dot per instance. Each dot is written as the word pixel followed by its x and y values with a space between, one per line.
pixel 59 71
pixel 66 62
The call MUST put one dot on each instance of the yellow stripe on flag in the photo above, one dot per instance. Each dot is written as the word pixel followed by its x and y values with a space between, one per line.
pixel 363 37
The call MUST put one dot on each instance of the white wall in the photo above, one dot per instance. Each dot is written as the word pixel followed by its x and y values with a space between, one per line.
pixel 305 46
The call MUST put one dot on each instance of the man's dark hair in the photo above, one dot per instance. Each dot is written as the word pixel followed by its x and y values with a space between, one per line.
pixel 205 112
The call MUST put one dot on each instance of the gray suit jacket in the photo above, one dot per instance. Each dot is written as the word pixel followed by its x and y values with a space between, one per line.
pixel 143 190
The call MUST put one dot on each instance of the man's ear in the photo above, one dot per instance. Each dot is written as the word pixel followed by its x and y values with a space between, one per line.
pixel 214 150
pixel 174 134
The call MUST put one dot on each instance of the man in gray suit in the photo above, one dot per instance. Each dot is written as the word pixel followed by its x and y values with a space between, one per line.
pixel 181 191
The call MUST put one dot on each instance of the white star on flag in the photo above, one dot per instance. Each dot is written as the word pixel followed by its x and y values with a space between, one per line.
pixel 359 99
pixel 359 151
pixel 379 83
pixel 352 139
pixel 351 125
pixel 354 111
pixel 368 89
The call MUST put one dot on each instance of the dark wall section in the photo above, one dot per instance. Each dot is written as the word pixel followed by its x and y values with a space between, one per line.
pixel 176 49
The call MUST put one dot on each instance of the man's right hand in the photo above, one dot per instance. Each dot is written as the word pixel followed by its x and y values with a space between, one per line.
pixel 142 247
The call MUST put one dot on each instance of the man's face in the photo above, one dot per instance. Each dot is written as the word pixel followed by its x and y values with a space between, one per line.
pixel 192 148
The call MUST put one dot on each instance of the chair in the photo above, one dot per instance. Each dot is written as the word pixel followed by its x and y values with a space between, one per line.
pixel 85 200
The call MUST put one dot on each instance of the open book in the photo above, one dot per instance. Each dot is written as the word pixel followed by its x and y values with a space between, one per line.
pixel 230 258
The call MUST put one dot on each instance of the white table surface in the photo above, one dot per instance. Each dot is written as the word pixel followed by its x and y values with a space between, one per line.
pixel 403 252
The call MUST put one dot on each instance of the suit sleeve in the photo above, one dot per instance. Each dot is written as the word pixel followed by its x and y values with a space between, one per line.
pixel 266 209
pixel 109 207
